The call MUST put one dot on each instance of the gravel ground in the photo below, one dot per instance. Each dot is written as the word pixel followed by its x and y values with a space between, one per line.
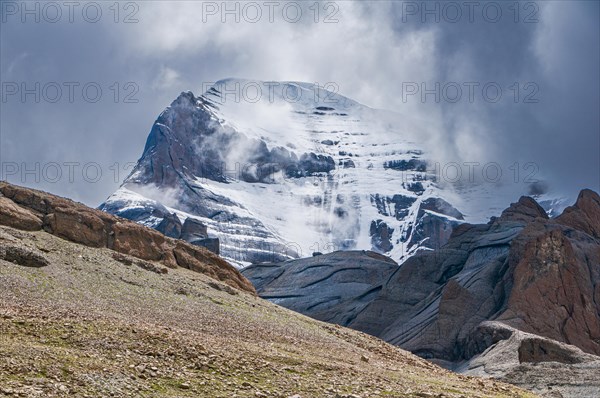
pixel 83 322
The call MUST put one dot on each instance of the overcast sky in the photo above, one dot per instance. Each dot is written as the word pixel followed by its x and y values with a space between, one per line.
pixel 543 56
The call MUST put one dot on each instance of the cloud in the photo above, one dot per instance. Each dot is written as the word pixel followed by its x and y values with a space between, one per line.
pixel 166 78
pixel 370 53
pixel 166 196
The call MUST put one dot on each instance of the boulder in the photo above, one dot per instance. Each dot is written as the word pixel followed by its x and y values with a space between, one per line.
pixel 23 256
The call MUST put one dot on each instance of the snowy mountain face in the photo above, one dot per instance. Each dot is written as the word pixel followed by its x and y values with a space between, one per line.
pixel 268 171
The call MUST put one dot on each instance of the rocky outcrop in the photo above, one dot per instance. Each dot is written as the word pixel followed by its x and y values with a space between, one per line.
pixel 525 210
pixel 23 256
pixel 547 367
pixel 553 292
pixel 584 215
pixel 523 271
pixel 17 217
pixel 436 219
pixel 381 235
pixel 31 210
pixel 405 165
pixel 170 226
pixel 196 233
pixel 211 244
pixel 440 206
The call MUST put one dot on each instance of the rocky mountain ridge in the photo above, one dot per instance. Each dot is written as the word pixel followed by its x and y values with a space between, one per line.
pixel 522 271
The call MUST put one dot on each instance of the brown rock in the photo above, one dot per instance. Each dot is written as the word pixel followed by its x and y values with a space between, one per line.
pixel 584 215
pixel 525 210
pixel 77 225
pixel 197 259
pixel 554 289
pixel 138 241
pixel 18 217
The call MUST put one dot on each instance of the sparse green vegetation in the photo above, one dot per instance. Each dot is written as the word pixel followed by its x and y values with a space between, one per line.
pixel 89 326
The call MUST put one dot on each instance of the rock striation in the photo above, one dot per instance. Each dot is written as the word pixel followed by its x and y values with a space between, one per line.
pixel 334 287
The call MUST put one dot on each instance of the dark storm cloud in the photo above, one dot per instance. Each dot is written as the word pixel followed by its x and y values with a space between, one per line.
pixel 373 49
pixel 555 53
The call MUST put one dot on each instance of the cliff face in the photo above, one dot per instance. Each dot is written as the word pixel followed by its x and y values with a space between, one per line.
pixel 556 291
pixel 32 210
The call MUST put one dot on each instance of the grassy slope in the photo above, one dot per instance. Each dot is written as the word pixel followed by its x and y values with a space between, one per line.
pixel 88 325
